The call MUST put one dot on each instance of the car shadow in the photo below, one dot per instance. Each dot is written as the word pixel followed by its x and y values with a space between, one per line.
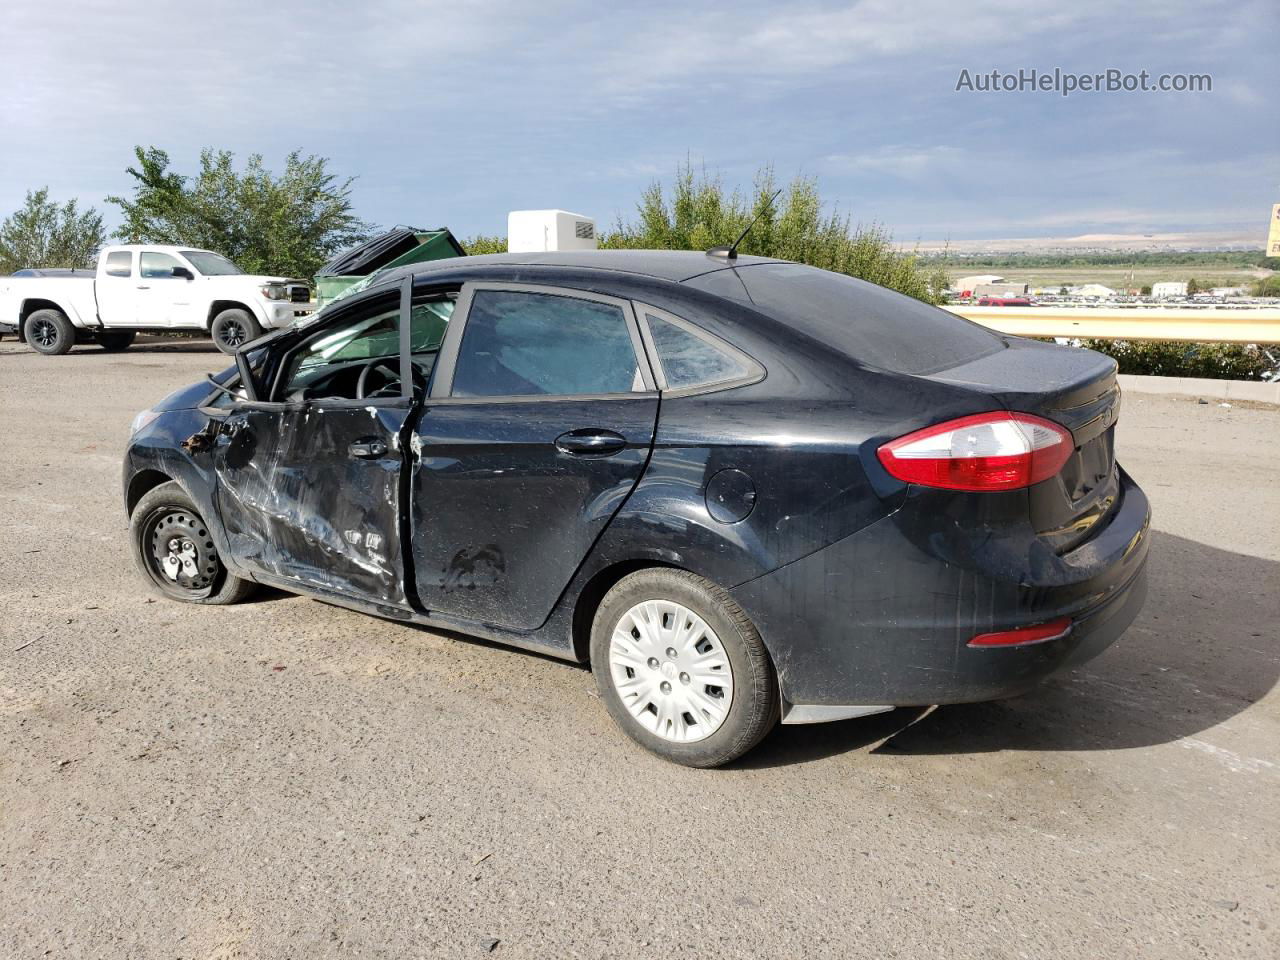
pixel 1203 649
pixel 163 344
pixel 266 594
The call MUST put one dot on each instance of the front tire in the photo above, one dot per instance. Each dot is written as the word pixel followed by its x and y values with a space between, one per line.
pixel 113 341
pixel 681 668
pixel 49 332
pixel 173 549
pixel 233 328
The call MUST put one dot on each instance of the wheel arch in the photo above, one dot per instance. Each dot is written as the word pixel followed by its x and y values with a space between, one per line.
pixel 593 593
pixel 142 483
pixel 217 306
pixel 32 304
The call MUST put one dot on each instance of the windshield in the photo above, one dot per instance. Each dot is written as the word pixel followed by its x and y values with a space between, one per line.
pixel 211 264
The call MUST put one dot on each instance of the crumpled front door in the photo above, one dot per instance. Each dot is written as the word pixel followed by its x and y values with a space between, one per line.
pixel 311 494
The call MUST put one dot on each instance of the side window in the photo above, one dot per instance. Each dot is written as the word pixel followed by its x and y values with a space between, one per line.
pixel 518 344
pixel 119 263
pixel 427 323
pixel 690 360
pixel 331 363
pixel 155 266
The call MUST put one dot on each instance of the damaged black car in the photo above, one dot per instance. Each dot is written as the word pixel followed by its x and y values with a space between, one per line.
pixel 744 489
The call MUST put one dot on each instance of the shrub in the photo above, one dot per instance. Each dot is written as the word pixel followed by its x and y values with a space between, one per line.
pixel 697 212
pixel 481 244
pixel 1173 358
pixel 1267 286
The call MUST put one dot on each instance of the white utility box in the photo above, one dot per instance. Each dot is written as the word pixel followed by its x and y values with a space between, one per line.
pixel 533 231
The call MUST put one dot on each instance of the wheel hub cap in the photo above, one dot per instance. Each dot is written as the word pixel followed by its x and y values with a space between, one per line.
pixel 671 671
pixel 182 551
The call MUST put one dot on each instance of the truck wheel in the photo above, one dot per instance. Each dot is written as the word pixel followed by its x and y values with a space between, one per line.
pixel 172 547
pixel 232 328
pixel 682 669
pixel 49 332
pixel 116 340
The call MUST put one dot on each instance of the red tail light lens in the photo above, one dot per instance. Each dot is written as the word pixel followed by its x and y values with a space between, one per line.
pixel 986 451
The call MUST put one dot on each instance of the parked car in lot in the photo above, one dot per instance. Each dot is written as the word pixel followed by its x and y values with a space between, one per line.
pixel 744 489
pixel 1004 302
pixel 148 288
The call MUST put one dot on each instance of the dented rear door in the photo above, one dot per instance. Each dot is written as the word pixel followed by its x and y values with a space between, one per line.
pixel 539 425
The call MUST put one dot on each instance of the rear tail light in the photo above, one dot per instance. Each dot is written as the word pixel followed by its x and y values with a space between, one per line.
pixel 986 451
pixel 1038 633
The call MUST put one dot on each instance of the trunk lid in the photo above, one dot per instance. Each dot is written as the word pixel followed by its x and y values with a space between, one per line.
pixel 1074 388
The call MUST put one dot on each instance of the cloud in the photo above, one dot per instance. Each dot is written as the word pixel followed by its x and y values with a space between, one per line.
pixel 902 162
pixel 459 111
pixel 783 41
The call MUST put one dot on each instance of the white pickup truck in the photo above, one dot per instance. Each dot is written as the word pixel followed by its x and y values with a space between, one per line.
pixel 148 288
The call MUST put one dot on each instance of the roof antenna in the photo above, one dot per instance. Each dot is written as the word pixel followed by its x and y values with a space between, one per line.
pixel 731 252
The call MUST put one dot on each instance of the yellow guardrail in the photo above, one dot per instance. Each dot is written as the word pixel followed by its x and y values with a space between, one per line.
pixel 1111 323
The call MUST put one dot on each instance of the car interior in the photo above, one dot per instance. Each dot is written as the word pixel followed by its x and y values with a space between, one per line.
pixel 360 359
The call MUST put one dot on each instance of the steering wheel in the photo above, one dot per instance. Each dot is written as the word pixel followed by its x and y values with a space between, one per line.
pixel 390 381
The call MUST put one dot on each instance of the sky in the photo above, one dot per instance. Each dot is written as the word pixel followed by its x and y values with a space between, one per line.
pixel 453 113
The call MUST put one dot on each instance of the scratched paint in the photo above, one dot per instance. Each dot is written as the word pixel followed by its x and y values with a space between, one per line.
pixel 295 504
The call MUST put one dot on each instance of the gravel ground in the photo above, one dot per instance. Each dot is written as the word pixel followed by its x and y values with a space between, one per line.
pixel 289 779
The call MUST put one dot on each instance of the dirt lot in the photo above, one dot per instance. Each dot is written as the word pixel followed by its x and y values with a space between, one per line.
pixel 288 779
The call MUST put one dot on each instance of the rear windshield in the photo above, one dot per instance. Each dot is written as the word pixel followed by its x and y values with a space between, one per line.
pixel 871 324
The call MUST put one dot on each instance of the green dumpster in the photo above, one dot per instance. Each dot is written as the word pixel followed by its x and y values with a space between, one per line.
pixel 395 248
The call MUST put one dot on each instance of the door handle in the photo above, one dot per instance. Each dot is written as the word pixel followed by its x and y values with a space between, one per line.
pixel 368 448
pixel 142 287
pixel 590 442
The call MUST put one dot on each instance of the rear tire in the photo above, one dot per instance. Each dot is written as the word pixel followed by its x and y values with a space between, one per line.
pixel 114 341
pixel 233 328
pixel 676 708
pixel 165 525
pixel 49 332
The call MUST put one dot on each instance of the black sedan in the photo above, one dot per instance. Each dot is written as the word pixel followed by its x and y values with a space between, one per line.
pixel 743 489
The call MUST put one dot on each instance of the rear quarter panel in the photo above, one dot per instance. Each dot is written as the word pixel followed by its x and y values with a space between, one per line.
pixel 72 295
pixel 810 460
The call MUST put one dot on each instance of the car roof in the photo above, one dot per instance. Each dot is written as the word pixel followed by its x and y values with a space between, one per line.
pixel 676 265
pixel 157 247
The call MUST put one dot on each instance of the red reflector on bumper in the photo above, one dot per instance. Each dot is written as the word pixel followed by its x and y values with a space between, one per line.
pixel 1038 633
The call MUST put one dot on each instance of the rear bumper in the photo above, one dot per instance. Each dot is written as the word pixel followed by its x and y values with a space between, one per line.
pixel 884 617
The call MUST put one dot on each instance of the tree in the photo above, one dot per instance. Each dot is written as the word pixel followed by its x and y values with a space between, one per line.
pixel 1193 287
pixel 1268 286
pixel 43 234
pixel 288 225
pixel 1146 290
pixel 481 244
pixel 1063 291
pixel 698 213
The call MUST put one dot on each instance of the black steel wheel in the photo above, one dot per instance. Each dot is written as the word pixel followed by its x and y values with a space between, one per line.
pixel 173 547
pixel 180 554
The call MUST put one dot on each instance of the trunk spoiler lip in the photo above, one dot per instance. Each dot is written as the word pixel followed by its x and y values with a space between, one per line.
pixel 1065 378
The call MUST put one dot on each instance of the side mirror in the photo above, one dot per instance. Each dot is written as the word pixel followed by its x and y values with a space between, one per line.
pixel 184 273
